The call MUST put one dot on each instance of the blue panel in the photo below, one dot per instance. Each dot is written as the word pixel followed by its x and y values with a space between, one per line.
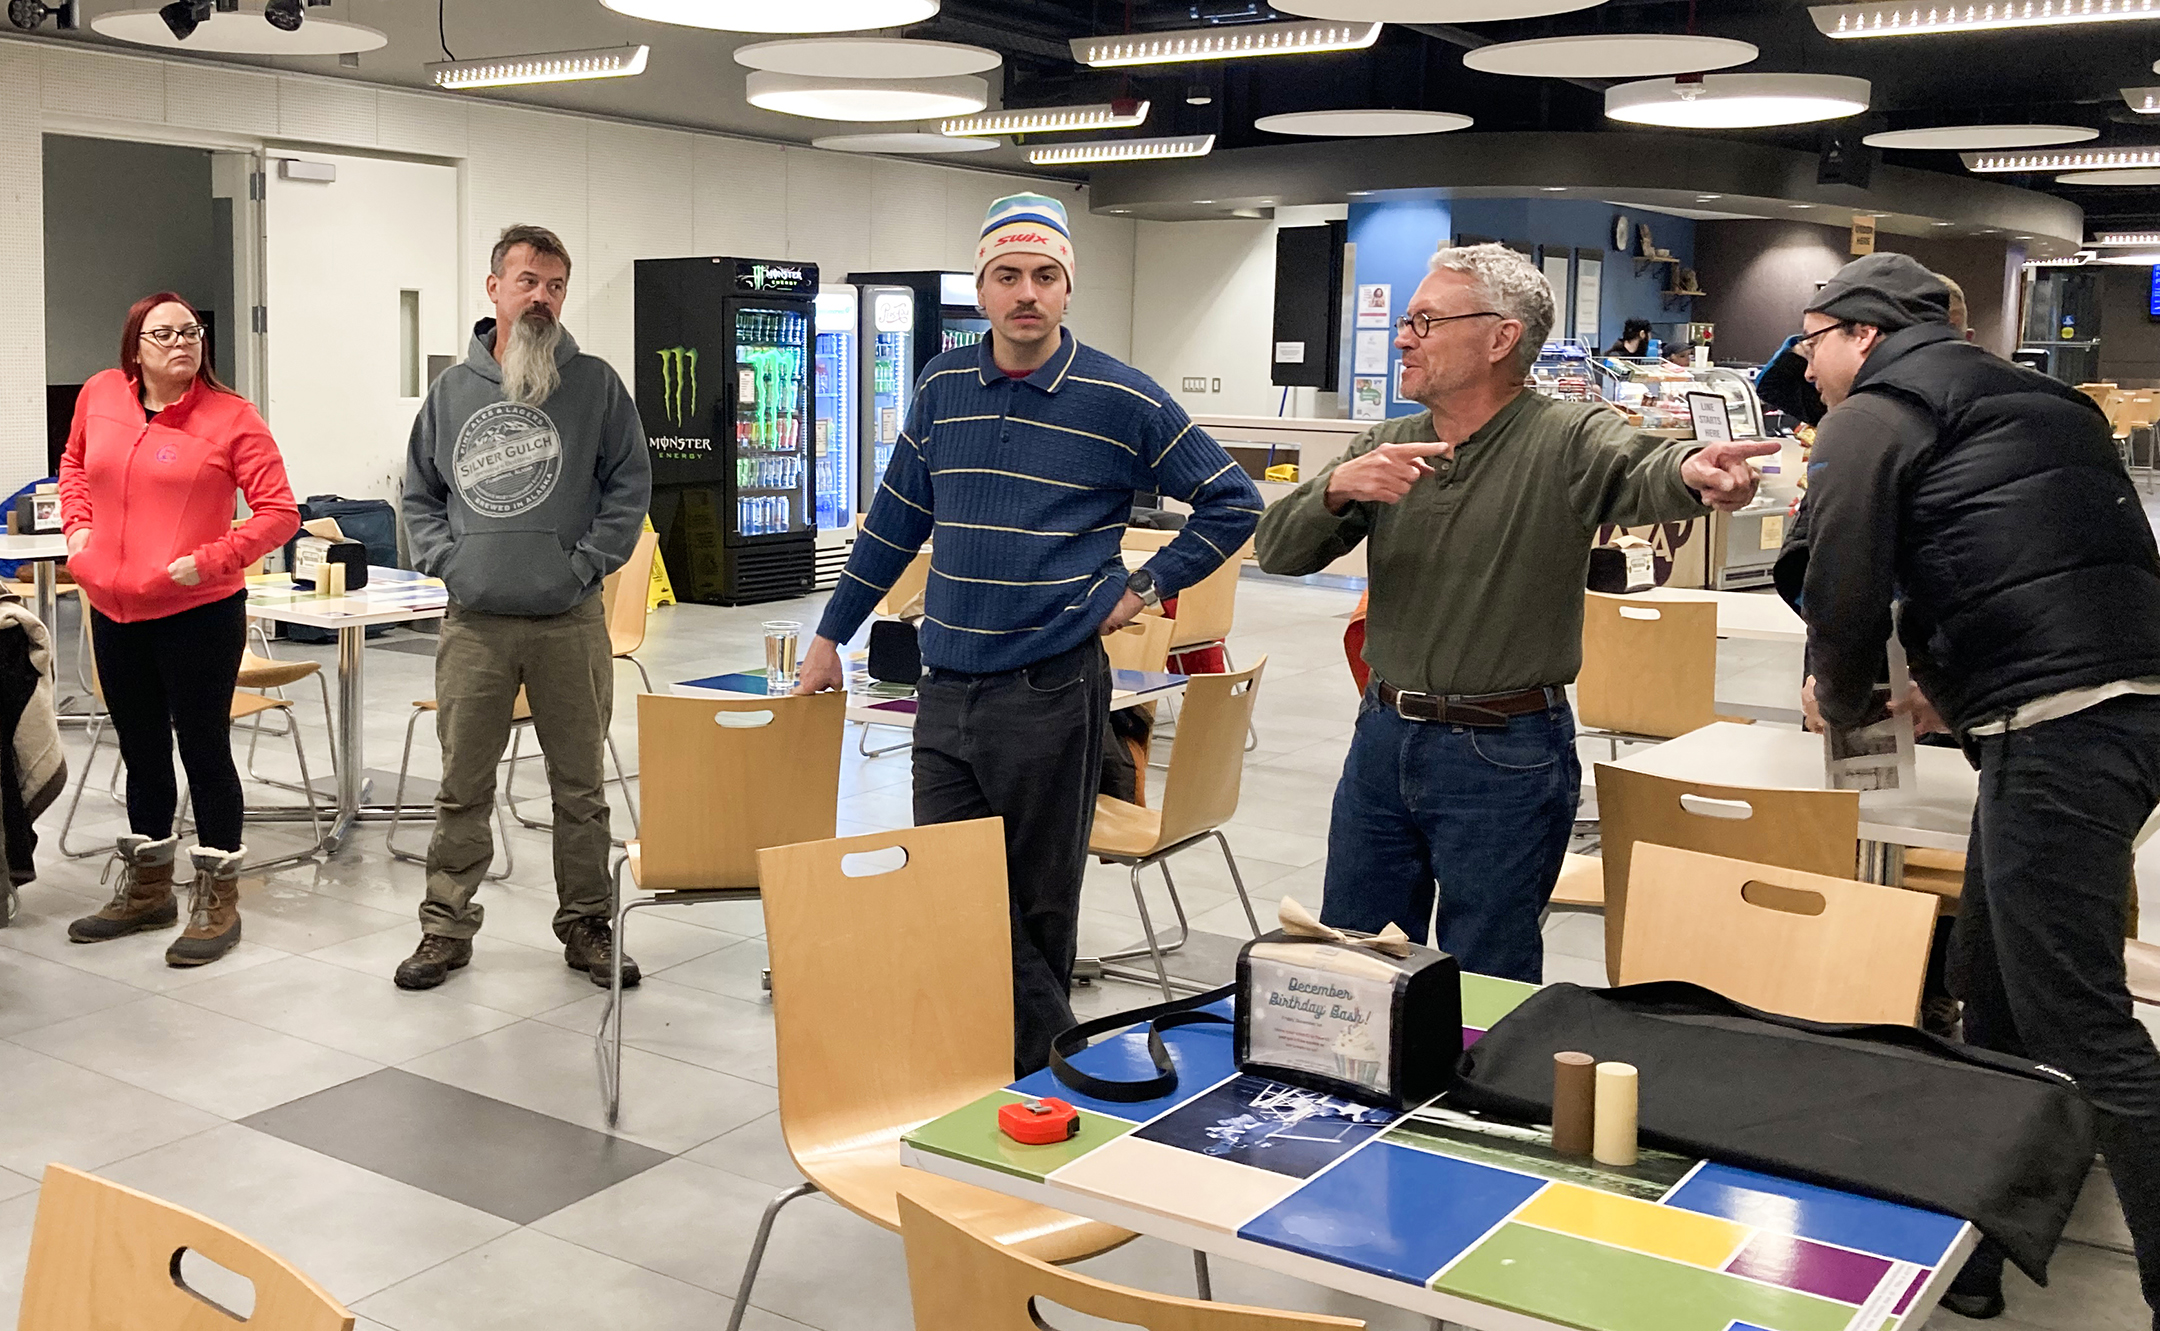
pixel 1200 1053
pixel 742 681
pixel 1785 1207
pixel 1393 1211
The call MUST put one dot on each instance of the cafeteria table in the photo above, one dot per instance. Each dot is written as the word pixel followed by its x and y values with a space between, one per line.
pixel 1448 1215
pixel 41 553
pixel 1760 616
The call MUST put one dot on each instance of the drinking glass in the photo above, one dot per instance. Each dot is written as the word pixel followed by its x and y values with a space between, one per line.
pixel 781 639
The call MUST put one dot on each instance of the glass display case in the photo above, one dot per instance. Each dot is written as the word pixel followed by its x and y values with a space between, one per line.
pixel 1563 371
pixel 1657 390
pixel 839 402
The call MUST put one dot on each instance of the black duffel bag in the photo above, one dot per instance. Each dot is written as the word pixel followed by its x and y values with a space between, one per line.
pixel 1885 1111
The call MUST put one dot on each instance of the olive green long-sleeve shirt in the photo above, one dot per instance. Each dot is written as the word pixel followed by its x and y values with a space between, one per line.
pixel 1477 574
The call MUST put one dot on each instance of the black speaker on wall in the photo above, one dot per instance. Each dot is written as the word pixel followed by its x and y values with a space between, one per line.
pixel 1308 306
pixel 1843 159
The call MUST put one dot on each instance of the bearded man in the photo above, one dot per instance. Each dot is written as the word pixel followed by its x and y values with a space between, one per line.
pixel 526 483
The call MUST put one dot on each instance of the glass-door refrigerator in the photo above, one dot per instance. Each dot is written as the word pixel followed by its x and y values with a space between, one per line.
pixel 888 379
pixel 733 447
pixel 960 319
pixel 838 440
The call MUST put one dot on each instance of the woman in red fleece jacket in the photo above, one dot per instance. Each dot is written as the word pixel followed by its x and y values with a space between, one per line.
pixel 155 455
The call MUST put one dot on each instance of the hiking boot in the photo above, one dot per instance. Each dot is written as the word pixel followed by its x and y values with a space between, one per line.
pixel 213 908
pixel 589 946
pixel 144 898
pixel 432 961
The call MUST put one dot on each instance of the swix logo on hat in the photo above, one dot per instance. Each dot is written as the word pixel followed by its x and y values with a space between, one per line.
pixel 1026 223
pixel 1020 237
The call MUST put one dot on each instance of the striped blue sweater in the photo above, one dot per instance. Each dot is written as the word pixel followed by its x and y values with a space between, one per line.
pixel 1027 485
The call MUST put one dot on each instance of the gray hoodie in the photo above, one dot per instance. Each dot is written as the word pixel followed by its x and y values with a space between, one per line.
pixel 523 510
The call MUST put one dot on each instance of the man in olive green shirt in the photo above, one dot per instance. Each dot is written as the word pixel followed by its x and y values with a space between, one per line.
pixel 1478 515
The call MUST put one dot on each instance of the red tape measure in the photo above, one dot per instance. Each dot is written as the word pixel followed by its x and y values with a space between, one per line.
pixel 1039 1122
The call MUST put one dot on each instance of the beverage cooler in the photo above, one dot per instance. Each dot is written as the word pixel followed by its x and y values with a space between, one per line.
pixel 839 405
pixel 734 448
pixel 908 318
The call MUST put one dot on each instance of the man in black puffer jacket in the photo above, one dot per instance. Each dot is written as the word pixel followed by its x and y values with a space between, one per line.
pixel 1991 501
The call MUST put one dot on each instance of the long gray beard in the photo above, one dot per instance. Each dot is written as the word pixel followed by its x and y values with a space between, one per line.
pixel 529 374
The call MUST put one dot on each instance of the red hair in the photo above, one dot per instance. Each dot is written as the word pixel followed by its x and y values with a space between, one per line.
pixel 131 340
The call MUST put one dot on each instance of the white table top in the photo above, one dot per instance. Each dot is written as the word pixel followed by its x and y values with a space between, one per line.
pixel 1763 616
pixel 1938 815
pixel 51 545
pixel 392 596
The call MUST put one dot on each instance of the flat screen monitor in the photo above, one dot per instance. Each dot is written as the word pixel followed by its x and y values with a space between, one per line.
pixel 2154 307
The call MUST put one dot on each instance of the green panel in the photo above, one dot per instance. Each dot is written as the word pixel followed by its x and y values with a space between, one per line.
pixel 972 1134
pixel 1580 1283
pixel 1527 1149
pixel 1486 1000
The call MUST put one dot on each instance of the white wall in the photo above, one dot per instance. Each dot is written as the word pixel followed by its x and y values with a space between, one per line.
pixel 615 192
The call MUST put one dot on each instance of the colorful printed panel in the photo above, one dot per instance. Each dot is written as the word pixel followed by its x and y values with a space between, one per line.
pixel 1486 1000
pixel 972 1134
pixel 1823 1214
pixel 1265 1124
pixel 1528 1150
pixel 1204 1190
pixel 1201 1055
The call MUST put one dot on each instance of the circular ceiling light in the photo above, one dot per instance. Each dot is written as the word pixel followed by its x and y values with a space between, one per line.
pixel 2133 176
pixel 1362 124
pixel 1737 101
pixel 789 16
pixel 1430 11
pixel 240 32
pixel 903 143
pixel 867 58
pixel 867 99
pixel 1967 138
pixel 1630 55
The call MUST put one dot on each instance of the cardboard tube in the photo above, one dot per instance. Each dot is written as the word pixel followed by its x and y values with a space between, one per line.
pixel 1616 1104
pixel 335 578
pixel 1574 1093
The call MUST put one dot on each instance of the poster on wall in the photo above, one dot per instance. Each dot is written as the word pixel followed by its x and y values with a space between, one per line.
pixel 1589 272
pixel 1399 398
pixel 1372 304
pixel 1367 400
pixel 1556 275
pixel 1370 356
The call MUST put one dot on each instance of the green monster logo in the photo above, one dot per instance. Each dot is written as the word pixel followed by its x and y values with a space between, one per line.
pixel 678 383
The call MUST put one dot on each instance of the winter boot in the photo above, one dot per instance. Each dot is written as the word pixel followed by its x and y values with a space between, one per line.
pixel 144 899
pixel 213 910
pixel 431 962
pixel 589 946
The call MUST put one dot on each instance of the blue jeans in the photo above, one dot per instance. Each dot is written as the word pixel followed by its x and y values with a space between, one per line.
pixel 1483 811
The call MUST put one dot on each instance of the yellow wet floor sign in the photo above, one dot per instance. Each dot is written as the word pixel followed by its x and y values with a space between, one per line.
pixel 661 591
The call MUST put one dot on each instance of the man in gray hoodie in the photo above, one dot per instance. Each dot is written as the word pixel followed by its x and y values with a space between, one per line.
pixel 526 483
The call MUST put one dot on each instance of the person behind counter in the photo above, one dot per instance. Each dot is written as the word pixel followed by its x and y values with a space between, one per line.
pixel 1634 340
pixel 156 451
pixel 1462 768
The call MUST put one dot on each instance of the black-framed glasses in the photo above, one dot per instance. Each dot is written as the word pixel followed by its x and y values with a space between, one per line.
pixel 1422 324
pixel 172 337
pixel 1802 346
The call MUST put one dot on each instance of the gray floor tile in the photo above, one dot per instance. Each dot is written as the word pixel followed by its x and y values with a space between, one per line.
pixel 712 1030
pixel 43 1119
pixel 756 1151
pixel 290 919
pixel 17 1215
pixel 500 1158
pixel 353 1231
pixel 137 960
pixel 528 1279
pixel 345 1009
pixel 229 1067
pixel 15 1185
pixel 35 992
pixel 506 976
pixel 667 1104
pixel 734 970
pixel 695 1224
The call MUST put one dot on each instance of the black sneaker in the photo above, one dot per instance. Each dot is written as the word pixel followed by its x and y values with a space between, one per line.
pixel 589 946
pixel 432 961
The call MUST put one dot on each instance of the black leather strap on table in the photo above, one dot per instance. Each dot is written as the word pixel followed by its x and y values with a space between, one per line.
pixel 1159 1018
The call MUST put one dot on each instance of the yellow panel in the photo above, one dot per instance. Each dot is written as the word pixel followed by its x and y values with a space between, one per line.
pixel 1625 1222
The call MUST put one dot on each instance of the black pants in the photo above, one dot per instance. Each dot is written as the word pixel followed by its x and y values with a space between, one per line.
pixel 1025 746
pixel 174 676
pixel 2038 950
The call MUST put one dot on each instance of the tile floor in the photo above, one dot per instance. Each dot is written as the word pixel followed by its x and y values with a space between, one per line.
pixel 440 1161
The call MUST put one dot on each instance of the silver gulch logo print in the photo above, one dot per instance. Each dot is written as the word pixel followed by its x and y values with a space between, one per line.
pixel 508 459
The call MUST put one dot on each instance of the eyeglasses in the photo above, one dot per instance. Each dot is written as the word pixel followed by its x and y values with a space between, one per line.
pixel 1423 324
pixel 1806 352
pixel 172 337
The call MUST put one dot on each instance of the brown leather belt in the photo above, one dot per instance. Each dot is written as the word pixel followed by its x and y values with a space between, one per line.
pixel 1482 709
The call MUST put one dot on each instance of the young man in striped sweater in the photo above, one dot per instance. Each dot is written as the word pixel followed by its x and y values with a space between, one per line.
pixel 1022 454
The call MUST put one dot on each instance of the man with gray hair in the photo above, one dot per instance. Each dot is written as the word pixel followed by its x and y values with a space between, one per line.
pixel 1479 513
pixel 526 483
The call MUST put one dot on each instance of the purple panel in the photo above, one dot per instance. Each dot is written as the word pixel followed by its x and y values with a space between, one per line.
pixel 1912 1291
pixel 1471 1035
pixel 1812 1268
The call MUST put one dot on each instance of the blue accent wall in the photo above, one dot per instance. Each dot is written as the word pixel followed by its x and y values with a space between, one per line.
pixel 1395 238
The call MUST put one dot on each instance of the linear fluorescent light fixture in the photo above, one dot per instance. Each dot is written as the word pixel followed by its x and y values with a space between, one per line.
pixel 1123 114
pixel 2144 101
pixel 2127 238
pixel 599 62
pixel 1906 20
pixel 2091 159
pixel 1230 42
pixel 1122 150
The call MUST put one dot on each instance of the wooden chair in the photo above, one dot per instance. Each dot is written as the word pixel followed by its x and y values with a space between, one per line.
pixel 1141 645
pixel 903 600
pixel 108 1258
pixel 1199 795
pixel 892 1005
pixel 272 676
pixel 1206 609
pixel 962 1280
pixel 1649 669
pixel 1581 885
pixel 2142 960
pixel 730 778
pixel 1815 831
pixel 1802 944
pixel 520 716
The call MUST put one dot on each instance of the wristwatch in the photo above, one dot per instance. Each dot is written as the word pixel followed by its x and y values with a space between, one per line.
pixel 1141 583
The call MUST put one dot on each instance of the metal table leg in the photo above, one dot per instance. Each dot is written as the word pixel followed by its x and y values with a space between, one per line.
pixel 46 586
pixel 352 699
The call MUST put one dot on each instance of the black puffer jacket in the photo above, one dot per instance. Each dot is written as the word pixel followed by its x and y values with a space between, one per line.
pixel 1991 500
